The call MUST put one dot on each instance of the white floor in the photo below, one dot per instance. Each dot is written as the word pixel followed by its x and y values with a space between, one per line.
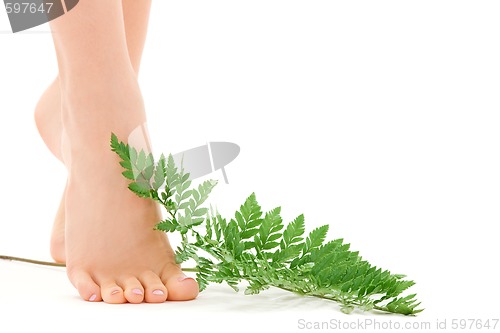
pixel 36 298
pixel 379 118
pixel 39 298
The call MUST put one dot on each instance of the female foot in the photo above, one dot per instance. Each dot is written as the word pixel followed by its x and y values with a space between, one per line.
pixel 111 250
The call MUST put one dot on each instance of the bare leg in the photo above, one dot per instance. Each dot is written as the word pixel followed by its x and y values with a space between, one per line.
pixel 112 252
pixel 48 111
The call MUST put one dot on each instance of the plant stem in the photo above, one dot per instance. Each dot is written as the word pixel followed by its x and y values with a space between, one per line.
pixel 55 264
pixel 32 261
pixel 190 269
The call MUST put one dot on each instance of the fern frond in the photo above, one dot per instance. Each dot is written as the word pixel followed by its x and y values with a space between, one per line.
pixel 258 248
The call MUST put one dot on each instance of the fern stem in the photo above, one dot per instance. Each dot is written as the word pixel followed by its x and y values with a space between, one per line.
pixel 330 298
pixel 32 261
pixel 55 264
pixel 190 269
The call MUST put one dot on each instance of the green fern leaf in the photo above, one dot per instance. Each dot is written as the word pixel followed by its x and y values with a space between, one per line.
pixel 316 238
pixel 259 249
pixel 160 173
pixel 293 232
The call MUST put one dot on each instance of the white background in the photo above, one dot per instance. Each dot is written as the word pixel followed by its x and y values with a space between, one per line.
pixel 379 118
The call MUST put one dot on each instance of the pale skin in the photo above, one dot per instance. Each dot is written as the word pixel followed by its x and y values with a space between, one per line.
pixel 102 231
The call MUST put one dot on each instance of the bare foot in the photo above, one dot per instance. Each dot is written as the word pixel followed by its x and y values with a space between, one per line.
pixel 112 252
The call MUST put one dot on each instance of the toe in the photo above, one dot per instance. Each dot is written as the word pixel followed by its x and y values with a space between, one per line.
pixel 132 289
pixel 86 286
pixel 155 290
pixel 112 293
pixel 180 287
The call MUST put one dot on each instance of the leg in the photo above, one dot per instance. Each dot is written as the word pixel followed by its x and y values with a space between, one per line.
pixel 112 252
pixel 136 18
pixel 47 113
pixel 48 110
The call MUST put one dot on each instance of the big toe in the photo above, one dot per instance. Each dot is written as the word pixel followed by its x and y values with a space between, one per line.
pixel 180 287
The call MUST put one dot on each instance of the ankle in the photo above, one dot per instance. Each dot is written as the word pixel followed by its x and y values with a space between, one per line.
pixel 93 111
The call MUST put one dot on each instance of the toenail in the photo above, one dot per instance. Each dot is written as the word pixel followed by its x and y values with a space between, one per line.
pixel 93 298
pixel 183 277
pixel 158 292
pixel 115 292
pixel 137 291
